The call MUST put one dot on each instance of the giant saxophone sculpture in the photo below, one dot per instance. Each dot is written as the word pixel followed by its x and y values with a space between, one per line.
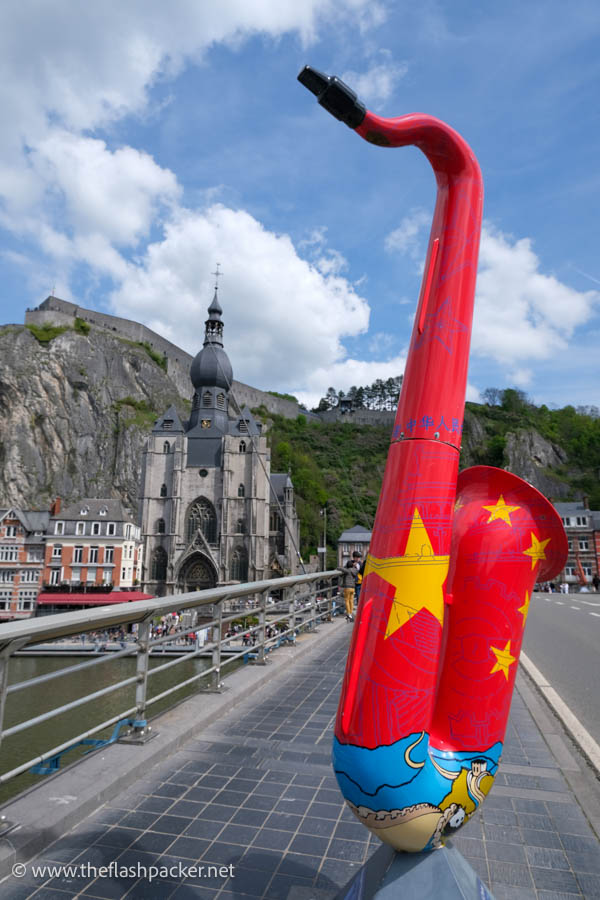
pixel 453 558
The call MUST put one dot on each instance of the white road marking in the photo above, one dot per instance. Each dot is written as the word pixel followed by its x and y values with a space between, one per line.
pixel 571 722
pixel 595 614
pixel 559 603
pixel 575 607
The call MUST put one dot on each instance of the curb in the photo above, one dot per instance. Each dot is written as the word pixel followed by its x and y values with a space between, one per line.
pixel 581 737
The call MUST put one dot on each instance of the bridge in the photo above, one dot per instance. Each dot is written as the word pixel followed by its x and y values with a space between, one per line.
pixel 229 793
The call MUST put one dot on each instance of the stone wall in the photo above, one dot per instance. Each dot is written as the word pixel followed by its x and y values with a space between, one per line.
pixel 55 311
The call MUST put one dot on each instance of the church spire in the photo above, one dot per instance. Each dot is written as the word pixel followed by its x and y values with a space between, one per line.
pixel 213 333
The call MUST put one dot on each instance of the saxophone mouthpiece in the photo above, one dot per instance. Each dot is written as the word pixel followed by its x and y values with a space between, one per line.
pixel 335 96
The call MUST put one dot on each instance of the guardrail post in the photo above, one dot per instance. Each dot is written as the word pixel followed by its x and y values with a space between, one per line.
pixel 292 613
pixel 217 638
pixel 262 621
pixel 141 732
pixel 314 608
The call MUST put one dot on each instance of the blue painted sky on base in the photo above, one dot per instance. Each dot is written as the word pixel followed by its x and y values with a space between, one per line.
pixel 144 142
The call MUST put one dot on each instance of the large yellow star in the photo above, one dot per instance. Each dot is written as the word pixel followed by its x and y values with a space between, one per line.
pixel 524 610
pixel 536 551
pixel 503 660
pixel 501 510
pixel 418 577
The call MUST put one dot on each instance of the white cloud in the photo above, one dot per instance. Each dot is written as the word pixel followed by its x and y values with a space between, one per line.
pixel 66 69
pixel 521 314
pixel 378 83
pixel 409 238
pixel 283 317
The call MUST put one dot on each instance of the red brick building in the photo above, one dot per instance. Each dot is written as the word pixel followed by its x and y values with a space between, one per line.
pixel 582 526
pixel 22 538
pixel 92 547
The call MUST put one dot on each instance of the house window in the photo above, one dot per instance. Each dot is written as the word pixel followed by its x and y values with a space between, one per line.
pixel 587 570
pixel 274 520
pixel 160 526
pixel 95 527
pixel 75 576
pixel 583 544
pixel 163 490
pixel 9 554
pixel 103 511
pixel 26 601
pixel 242 446
pixel 80 528
pixel 30 576
pixel 128 532
pixel 166 447
pixel 107 576
pixel 35 554
pixel 54 576
pixel 570 545
pixel 59 528
pixel 7 575
pixel 11 531
pixel 202 517
pixel 109 554
pixel 84 510
pixel 93 557
pixel 57 551
pixel 77 554
pixel 91 576
pixel 239 564
pixel 241 491
pixel 110 528
pixel 582 520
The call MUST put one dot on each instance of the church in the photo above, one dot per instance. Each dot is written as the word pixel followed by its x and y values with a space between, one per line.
pixel 211 511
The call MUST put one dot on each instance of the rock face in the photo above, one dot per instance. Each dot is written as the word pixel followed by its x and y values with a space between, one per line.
pixel 531 456
pixel 75 414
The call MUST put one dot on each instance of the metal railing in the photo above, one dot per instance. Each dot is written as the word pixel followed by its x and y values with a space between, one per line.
pixel 305 601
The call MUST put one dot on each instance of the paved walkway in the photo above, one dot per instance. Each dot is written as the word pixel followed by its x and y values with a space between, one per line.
pixel 257 794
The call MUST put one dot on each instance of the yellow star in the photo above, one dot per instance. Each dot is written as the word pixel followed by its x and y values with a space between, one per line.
pixel 536 551
pixel 501 511
pixel 524 610
pixel 503 660
pixel 418 577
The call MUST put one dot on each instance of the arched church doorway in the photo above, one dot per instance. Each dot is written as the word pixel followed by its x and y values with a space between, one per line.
pixel 197 574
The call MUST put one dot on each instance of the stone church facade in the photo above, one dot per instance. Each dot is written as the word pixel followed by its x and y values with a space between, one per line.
pixel 211 511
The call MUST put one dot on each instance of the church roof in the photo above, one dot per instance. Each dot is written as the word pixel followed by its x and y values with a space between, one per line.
pixel 169 422
pixel 357 533
pixel 279 482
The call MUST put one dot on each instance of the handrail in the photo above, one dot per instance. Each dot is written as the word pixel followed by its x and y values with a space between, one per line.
pixel 128 613
pixel 296 612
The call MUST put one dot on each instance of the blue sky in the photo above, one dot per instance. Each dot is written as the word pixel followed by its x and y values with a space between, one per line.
pixel 144 142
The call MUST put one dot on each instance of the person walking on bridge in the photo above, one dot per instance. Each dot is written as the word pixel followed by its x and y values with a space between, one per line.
pixel 349 578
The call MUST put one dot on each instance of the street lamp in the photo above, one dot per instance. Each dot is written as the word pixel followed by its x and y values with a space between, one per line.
pixel 323 548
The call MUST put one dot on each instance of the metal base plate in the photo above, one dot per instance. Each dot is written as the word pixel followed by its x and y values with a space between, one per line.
pixel 140 737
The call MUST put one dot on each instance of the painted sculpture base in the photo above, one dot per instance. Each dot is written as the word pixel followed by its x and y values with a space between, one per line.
pixel 420 876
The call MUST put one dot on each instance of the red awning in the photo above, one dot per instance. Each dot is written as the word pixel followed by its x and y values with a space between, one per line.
pixel 92 599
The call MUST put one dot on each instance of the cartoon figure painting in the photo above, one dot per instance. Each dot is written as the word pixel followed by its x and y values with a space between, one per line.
pixel 453 558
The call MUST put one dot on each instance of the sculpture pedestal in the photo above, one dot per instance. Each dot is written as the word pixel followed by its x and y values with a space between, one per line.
pixel 420 876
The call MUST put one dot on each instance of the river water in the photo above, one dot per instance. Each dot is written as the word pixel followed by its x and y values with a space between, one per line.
pixel 30 702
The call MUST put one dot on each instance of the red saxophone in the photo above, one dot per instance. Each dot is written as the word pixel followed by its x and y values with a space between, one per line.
pixel 453 558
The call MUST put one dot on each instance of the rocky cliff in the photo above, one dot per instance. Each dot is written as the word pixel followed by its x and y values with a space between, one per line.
pixel 74 414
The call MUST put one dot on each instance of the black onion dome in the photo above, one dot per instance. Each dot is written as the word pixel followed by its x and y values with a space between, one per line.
pixel 211 368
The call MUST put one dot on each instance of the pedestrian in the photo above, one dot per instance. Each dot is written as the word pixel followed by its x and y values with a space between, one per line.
pixel 596 582
pixel 349 577
pixel 360 568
